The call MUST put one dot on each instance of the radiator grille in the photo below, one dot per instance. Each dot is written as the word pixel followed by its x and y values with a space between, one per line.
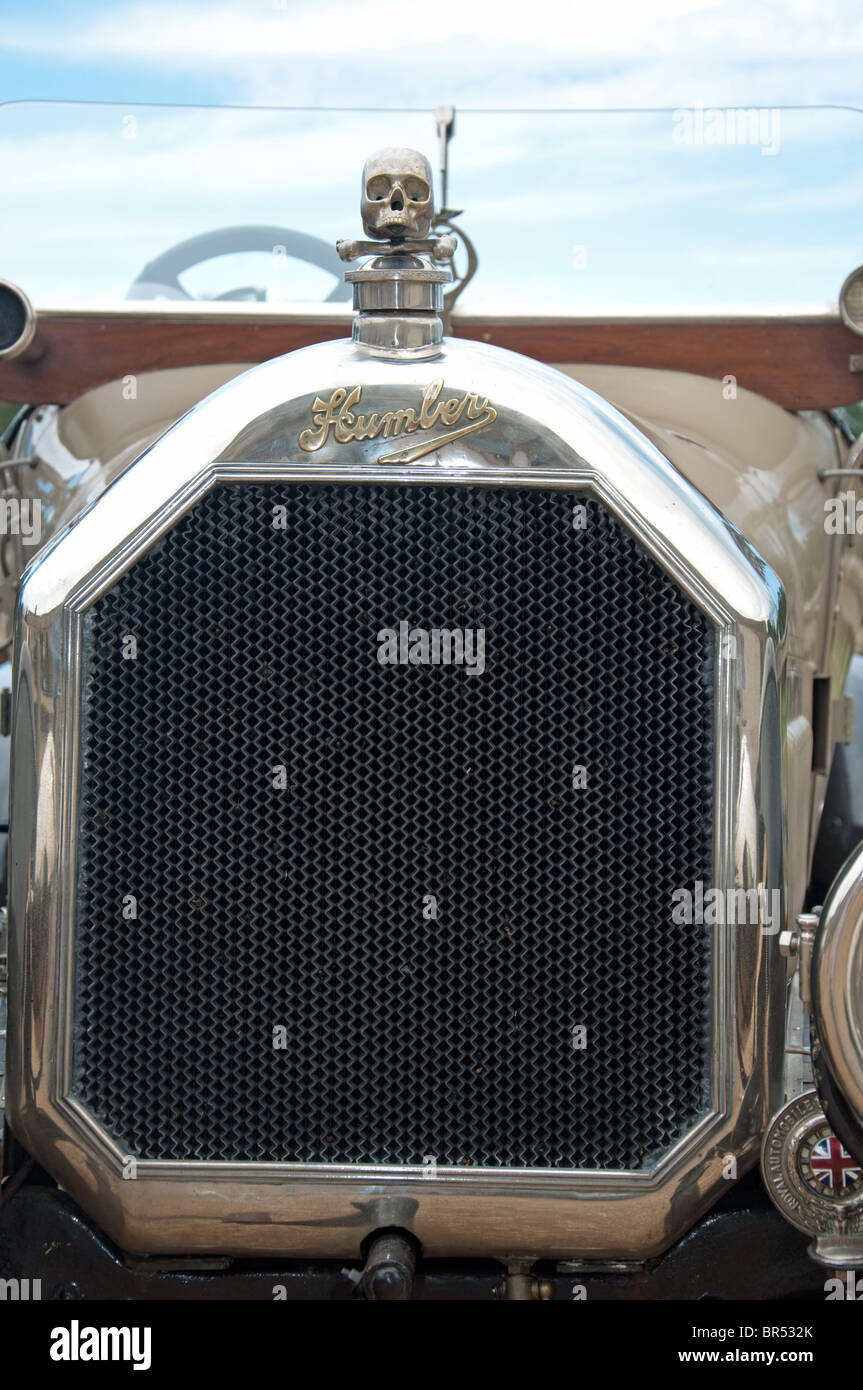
pixel 411 789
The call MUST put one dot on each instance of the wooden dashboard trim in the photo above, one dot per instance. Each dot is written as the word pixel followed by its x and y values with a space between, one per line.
pixel 801 362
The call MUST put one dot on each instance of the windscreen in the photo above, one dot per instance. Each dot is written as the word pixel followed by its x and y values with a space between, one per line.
pixel 570 211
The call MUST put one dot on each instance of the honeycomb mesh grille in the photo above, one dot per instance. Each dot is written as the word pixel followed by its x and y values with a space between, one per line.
pixel 411 790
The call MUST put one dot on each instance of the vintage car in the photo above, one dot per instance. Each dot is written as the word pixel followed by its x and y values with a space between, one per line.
pixel 433 862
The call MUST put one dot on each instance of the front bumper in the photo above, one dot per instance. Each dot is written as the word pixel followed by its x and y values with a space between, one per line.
pixel 742 1250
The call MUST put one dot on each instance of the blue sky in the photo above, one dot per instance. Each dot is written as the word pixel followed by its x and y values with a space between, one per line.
pixel 615 210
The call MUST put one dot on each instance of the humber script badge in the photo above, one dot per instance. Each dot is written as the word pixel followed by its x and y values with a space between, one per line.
pixel 338 415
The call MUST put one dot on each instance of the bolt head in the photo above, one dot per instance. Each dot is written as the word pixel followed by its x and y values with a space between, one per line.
pixel 388 1282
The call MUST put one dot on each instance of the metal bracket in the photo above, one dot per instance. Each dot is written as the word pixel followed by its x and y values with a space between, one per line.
pixel 798 943
pixel 832 723
pixel 521 1285
pixel 837 1251
pixel 842 719
pixel 851 465
pixel 445 122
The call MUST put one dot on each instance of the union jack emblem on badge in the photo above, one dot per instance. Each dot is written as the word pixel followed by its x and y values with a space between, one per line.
pixel 832 1165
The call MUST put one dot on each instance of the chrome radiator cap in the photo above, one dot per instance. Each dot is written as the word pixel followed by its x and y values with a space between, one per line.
pixel 398 296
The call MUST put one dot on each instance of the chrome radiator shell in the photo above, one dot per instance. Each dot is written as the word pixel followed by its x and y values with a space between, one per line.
pixel 548 432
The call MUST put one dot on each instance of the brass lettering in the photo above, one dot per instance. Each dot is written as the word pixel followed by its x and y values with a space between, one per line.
pixel 337 417
pixel 477 408
pixel 429 411
pixel 323 416
pixel 451 410
pixel 395 420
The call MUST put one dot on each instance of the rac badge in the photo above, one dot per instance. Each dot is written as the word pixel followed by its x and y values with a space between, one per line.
pixel 339 416
pixel 810 1176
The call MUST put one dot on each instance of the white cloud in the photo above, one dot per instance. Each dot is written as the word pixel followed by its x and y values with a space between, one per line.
pixel 390 53
pixel 232 33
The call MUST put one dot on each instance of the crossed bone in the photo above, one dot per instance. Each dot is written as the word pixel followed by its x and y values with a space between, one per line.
pixel 440 248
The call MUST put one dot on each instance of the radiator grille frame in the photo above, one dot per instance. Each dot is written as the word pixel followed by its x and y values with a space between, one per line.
pixel 578 443
pixel 547 1049
pixel 568 480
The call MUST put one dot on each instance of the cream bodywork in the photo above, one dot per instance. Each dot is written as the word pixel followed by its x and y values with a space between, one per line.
pixel 755 462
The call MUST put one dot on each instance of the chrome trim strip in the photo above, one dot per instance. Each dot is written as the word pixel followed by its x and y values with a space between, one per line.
pixel 554 433
pixel 284 311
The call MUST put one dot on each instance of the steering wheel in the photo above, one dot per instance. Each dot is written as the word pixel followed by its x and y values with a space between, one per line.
pixel 160 278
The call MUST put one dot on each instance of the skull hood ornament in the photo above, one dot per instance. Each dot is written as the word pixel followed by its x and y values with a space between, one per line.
pixel 397 195
pixel 398 294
